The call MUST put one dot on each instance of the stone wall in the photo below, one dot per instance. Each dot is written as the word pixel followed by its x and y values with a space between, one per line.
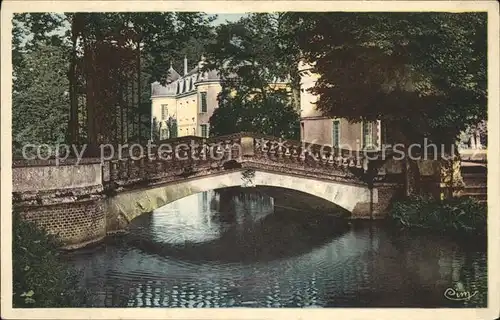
pixel 63 198
pixel 317 130
pixel 46 175
pixel 320 130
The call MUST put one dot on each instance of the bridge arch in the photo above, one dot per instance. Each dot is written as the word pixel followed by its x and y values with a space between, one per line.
pixel 125 206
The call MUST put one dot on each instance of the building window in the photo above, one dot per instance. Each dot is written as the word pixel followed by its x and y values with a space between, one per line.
pixel 367 135
pixel 336 133
pixel 164 111
pixel 203 102
pixel 204 130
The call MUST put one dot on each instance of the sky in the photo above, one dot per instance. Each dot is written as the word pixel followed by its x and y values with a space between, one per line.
pixel 231 17
pixel 221 18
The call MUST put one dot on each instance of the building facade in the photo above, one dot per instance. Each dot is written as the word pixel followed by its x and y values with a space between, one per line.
pixel 185 104
pixel 317 128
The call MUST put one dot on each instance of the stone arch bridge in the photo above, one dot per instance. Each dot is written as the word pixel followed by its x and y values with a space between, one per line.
pixel 85 200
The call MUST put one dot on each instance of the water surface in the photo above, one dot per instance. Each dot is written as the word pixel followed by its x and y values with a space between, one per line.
pixel 227 249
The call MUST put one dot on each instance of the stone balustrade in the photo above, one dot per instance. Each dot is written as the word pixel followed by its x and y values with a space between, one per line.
pixel 186 155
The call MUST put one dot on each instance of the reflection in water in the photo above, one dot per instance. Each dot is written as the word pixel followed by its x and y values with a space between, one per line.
pixel 230 248
pixel 201 217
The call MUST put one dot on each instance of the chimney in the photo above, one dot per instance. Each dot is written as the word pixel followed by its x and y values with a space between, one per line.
pixel 185 65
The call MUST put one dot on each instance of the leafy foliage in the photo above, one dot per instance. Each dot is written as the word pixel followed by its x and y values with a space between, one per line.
pixel 271 114
pixel 422 74
pixel 108 61
pixel 465 216
pixel 40 100
pixel 250 56
pixel 33 29
pixel 40 277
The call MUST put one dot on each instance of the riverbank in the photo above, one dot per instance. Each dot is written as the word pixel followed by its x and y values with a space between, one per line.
pixel 461 217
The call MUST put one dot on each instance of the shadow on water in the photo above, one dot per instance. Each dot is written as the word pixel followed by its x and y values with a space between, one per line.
pixel 246 248
pixel 248 228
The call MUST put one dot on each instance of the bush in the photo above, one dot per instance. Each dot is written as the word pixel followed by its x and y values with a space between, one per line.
pixel 456 215
pixel 40 277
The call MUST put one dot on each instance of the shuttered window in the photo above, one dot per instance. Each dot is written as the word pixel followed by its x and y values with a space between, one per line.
pixel 204 130
pixel 203 102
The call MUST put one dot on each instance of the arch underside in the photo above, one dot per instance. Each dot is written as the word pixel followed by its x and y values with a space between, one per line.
pixel 124 207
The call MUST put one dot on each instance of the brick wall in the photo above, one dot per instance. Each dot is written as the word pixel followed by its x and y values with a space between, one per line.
pixel 77 223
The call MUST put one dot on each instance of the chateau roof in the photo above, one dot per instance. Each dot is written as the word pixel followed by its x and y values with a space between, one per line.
pixel 177 84
pixel 172 75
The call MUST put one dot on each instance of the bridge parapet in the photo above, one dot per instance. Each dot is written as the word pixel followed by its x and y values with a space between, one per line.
pixel 183 157
pixel 309 154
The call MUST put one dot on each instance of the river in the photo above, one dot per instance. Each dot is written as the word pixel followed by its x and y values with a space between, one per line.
pixel 238 248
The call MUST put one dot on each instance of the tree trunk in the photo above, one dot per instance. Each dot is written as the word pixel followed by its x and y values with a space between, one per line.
pixel 90 93
pixel 120 90
pixel 127 108
pixel 73 119
pixel 139 113
pixel 132 109
pixel 412 177
pixel 411 172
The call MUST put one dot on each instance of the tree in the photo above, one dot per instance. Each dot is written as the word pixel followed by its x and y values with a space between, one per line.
pixel 40 100
pixel 270 113
pixel 256 88
pixel 422 74
pixel 39 94
pixel 122 53
pixel 111 60
pixel 40 278
pixel 172 127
